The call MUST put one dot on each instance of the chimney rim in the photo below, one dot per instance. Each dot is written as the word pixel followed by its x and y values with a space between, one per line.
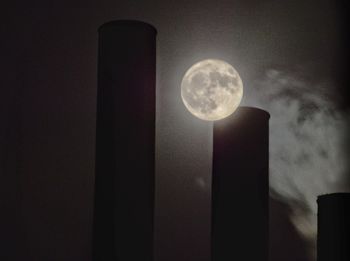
pixel 331 196
pixel 122 22
pixel 256 109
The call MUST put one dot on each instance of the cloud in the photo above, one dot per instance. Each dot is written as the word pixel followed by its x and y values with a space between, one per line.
pixel 307 143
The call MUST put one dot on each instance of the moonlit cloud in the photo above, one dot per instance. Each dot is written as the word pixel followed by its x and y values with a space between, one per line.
pixel 307 144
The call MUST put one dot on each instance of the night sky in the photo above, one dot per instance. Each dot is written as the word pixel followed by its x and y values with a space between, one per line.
pixel 291 56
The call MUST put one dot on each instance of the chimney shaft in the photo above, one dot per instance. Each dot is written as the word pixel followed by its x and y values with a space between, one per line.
pixel 240 186
pixel 333 240
pixel 125 135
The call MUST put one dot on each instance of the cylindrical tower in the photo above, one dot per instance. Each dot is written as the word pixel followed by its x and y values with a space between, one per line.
pixel 125 142
pixel 240 186
pixel 333 240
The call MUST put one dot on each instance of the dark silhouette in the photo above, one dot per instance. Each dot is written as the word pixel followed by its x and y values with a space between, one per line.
pixel 124 185
pixel 333 240
pixel 240 186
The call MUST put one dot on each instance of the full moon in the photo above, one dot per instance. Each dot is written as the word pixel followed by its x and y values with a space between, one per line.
pixel 211 89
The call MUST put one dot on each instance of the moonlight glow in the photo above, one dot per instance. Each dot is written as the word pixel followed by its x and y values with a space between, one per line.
pixel 211 89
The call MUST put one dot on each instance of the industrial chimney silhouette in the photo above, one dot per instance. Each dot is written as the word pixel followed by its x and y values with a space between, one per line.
pixel 125 135
pixel 333 239
pixel 240 186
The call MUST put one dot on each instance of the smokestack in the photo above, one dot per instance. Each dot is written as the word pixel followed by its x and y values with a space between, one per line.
pixel 240 186
pixel 125 136
pixel 333 240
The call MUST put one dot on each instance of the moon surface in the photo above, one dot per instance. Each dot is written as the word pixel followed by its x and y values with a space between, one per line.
pixel 211 89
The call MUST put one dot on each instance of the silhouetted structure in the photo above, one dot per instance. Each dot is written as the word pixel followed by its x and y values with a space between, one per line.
pixel 124 185
pixel 333 240
pixel 240 186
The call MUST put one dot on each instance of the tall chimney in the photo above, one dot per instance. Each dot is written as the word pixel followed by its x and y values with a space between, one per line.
pixel 240 186
pixel 125 136
pixel 333 240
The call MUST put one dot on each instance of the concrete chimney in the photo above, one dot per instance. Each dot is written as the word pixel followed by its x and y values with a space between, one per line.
pixel 333 240
pixel 240 186
pixel 125 138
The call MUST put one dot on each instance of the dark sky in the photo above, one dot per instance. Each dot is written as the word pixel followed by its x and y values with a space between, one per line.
pixel 48 104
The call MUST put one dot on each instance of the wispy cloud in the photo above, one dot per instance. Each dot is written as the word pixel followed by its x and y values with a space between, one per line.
pixel 307 143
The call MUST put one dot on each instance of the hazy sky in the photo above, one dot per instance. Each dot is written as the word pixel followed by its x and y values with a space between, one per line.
pixel 289 56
